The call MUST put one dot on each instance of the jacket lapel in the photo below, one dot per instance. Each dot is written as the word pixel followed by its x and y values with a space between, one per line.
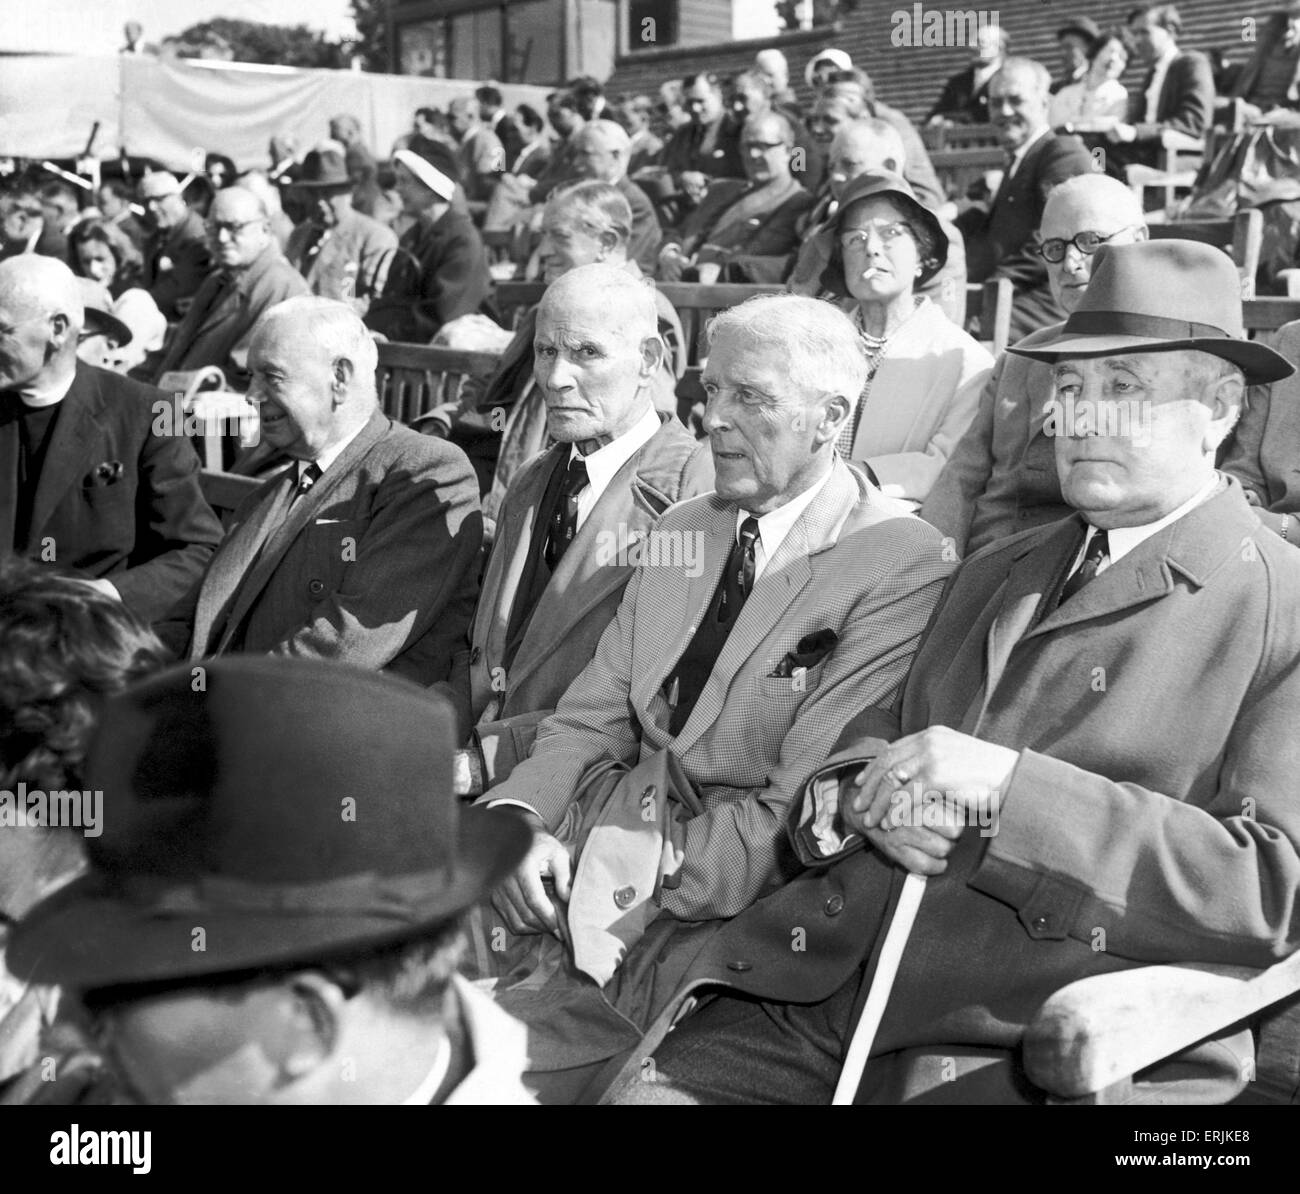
pixel 300 515
pixel 786 576
pixel 75 439
pixel 9 450
pixel 590 569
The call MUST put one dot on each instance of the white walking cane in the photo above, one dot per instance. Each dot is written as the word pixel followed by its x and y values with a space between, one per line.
pixel 882 983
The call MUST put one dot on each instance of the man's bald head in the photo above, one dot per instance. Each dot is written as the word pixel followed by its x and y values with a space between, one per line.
pixel 40 305
pixel 239 227
pixel 596 350
pixel 866 144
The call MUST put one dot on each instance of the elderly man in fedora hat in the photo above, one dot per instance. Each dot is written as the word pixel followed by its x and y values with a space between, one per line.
pixel 342 253
pixel 1093 758
pixel 271 912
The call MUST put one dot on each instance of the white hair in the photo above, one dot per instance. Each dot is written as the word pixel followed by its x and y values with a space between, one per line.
pixel 612 136
pixel 822 345
pixel 32 285
pixel 336 327
pixel 1120 200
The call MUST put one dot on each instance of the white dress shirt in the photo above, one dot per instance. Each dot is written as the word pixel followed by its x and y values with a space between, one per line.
pixel 605 461
pixel 330 454
pixel 1122 540
pixel 775 525
pixel 1158 82
pixel 1019 155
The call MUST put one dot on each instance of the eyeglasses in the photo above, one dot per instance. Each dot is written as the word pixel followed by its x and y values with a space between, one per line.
pixel 857 239
pixel 229 227
pixel 1087 243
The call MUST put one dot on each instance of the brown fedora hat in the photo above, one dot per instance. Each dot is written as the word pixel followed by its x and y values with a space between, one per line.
pixel 1160 296
pixel 291 810
pixel 323 169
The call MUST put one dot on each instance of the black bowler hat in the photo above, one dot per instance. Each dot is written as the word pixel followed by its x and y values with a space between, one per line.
pixel 292 810
pixel 1159 296
pixel 1085 27
pixel 323 169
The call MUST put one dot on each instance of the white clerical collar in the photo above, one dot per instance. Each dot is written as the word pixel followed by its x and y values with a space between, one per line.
pixel 606 460
pixel 423 1094
pixel 1122 540
pixel 47 395
pixel 775 525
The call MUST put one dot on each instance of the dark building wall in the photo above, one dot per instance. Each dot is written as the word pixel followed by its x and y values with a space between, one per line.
pixel 911 77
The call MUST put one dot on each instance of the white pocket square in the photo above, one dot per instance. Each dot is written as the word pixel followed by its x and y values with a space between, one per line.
pixel 324 522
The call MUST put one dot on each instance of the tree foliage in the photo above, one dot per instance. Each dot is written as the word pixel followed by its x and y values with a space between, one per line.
pixel 252 41
pixel 371 17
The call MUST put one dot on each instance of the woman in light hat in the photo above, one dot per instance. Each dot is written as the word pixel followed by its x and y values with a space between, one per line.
pixel 926 374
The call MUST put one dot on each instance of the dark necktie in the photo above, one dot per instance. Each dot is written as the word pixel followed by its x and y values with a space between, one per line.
pixel 1098 552
pixel 306 479
pixel 564 521
pixel 696 664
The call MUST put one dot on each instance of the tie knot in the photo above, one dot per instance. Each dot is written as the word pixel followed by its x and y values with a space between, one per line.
pixel 1098 546
pixel 577 476
pixel 749 531
pixel 308 477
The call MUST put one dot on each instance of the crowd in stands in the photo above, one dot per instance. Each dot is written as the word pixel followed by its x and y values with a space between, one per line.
pixel 638 655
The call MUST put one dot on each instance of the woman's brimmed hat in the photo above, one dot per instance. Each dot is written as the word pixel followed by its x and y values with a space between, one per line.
pixel 885 184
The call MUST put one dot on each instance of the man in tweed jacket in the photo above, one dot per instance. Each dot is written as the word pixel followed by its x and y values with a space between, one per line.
pixel 845 581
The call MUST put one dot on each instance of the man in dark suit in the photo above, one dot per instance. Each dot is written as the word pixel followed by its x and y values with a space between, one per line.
pixel 1176 95
pixel 177 254
pixel 747 229
pixel 1081 799
pixel 545 599
pixel 90 478
pixel 965 96
pixel 1271 79
pixel 328 969
pixel 440 271
pixel 1000 241
pixel 709 146
pixel 250 277
pixel 492 112
pixel 364 550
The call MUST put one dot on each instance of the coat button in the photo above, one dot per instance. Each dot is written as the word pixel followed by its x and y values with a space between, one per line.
pixel 834 905
pixel 740 967
pixel 476 654
pixel 625 896
pixel 316 587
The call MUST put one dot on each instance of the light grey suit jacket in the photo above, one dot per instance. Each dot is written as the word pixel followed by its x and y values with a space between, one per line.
pixel 581 597
pixel 855 563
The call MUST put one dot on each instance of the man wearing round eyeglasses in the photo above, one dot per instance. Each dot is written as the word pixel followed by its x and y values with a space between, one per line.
pixel 747 229
pixel 1001 477
pixel 251 276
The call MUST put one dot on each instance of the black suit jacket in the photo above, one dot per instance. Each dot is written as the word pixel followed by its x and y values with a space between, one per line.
pixel 440 272
pixel 1186 103
pixel 115 498
pixel 1000 243
pixel 961 101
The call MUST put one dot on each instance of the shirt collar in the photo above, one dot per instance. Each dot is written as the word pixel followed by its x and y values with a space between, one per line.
pixel 775 525
pixel 1122 540
pixel 1019 155
pixel 330 454
pixel 606 460
pixel 423 1094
